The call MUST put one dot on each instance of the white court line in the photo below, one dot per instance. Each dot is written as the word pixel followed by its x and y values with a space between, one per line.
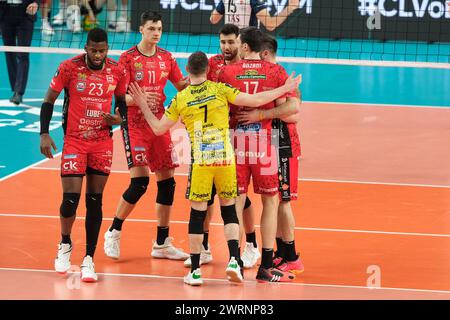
pixel 28 167
pixel 34 164
pixel 245 281
pixel 414 234
pixel 303 179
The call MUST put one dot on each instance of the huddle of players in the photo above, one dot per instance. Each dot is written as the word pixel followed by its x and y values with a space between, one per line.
pixel 91 80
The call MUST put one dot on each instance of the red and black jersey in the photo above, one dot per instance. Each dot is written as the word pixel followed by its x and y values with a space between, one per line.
pixel 152 72
pixel 253 76
pixel 88 93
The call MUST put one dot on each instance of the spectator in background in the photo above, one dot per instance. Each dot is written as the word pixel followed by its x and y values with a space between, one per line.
pixel 46 6
pixel 17 19
pixel 248 13
pixel 58 19
pixel 90 9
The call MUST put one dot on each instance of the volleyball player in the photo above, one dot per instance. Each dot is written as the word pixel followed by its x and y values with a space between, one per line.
pixel 203 108
pixel 150 67
pixel 248 13
pixel 89 81
pixel 286 257
pixel 256 155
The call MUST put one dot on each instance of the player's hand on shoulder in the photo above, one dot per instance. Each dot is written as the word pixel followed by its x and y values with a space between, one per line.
pixel 46 145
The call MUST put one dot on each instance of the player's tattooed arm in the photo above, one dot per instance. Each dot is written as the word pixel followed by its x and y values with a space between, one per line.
pixel 159 127
pixel 295 117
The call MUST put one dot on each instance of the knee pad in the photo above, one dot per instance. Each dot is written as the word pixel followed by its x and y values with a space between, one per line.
pixel 69 204
pixel 166 191
pixel 213 194
pixel 136 189
pixel 229 214
pixel 248 203
pixel 196 221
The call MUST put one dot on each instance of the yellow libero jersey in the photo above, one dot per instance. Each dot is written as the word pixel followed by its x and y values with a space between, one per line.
pixel 204 110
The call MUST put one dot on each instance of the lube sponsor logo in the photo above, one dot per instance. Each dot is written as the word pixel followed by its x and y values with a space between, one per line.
pixel 93 113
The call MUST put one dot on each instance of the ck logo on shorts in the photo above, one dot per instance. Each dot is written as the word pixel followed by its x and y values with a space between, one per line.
pixel 141 157
pixel 70 166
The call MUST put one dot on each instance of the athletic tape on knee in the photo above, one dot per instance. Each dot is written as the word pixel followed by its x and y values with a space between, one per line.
pixel 69 204
pixel 166 191
pixel 248 203
pixel 136 189
pixel 196 221
pixel 229 214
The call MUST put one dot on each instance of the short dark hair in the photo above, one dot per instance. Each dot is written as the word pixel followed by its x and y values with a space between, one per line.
pixel 97 35
pixel 228 29
pixel 150 16
pixel 197 63
pixel 269 43
pixel 253 37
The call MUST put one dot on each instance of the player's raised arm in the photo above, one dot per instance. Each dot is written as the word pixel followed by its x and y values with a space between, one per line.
pixel 261 98
pixel 159 127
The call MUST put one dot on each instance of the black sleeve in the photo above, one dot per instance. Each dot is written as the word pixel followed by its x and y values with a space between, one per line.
pixel 121 105
pixel 46 116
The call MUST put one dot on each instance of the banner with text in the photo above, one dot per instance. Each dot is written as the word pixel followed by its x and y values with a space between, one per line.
pixel 419 20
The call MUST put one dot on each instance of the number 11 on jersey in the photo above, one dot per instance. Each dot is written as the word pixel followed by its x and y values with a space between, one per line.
pixel 151 77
